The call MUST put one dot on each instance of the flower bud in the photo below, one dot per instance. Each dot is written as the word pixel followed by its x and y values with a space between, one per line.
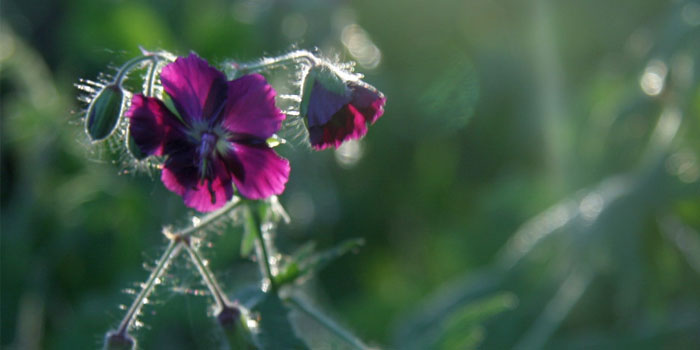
pixel 233 322
pixel 104 112
pixel 119 341
pixel 336 110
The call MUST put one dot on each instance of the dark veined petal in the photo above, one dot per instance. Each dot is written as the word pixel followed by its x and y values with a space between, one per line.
pixel 258 172
pixel 323 105
pixel 180 171
pixel 368 101
pixel 210 193
pixel 182 176
pixel 198 90
pixel 347 124
pixel 250 107
pixel 151 124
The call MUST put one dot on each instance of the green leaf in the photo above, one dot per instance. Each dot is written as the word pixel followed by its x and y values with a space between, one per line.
pixel 274 329
pixel 304 262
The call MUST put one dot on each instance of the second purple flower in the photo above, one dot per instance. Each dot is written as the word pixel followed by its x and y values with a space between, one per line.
pixel 336 110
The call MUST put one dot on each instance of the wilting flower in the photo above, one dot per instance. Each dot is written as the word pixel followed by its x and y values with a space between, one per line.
pixel 337 110
pixel 218 136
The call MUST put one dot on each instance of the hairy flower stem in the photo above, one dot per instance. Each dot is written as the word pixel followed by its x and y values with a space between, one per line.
pixel 208 277
pixel 178 240
pixel 171 252
pixel 265 258
pixel 208 219
pixel 327 323
pixel 294 57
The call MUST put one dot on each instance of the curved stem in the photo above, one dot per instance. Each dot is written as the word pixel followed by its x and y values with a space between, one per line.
pixel 171 252
pixel 292 57
pixel 150 78
pixel 129 65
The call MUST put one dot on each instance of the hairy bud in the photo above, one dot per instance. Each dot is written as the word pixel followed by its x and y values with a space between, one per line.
pixel 235 327
pixel 119 341
pixel 104 112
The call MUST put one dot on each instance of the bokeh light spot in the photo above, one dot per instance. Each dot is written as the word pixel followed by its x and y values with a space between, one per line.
pixel 653 78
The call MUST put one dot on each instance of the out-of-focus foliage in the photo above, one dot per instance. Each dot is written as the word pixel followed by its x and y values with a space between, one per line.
pixel 534 182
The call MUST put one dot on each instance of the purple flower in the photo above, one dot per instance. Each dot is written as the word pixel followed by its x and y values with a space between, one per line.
pixel 336 110
pixel 218 136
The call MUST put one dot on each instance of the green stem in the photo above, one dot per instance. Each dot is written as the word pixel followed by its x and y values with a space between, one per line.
pixel 177 241
pixel 293 57
pixel 210 218
pixel 261 251
pixel 171 251
pixel 151 77
pixel 328 323
pixel 207 276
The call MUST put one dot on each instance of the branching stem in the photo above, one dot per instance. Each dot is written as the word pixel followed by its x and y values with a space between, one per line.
pixel 209 218
pixel 178 240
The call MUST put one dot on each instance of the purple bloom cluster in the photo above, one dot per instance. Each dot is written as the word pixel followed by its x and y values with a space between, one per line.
pixel 217 136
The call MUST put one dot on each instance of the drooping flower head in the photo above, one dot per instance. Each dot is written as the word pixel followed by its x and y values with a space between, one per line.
pixel 337 110
pixel 217 136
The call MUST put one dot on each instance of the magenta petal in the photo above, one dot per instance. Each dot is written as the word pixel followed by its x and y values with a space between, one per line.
pixel 198 90
pixel 258 171
pixel 151 124
pixel 368 101
pixel 210 194
pixel 348 124
pixel 182 177
pixel 180 172
pixel 250 107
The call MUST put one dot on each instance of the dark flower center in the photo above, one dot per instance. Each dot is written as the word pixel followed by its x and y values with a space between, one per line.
pixel 207 145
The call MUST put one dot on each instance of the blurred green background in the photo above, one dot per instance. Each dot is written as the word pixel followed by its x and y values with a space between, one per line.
pixel 533 184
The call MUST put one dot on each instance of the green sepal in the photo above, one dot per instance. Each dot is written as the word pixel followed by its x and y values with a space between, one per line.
pixel 328 79
pixel 133 148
